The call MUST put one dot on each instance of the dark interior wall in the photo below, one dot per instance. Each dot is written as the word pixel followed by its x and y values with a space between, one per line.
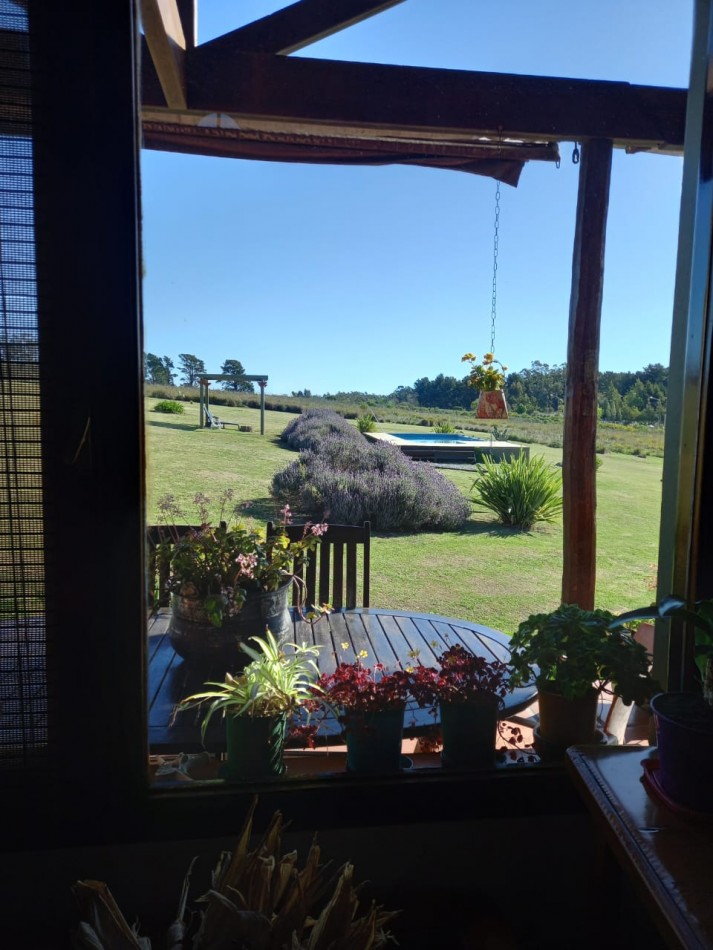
pixel 500 873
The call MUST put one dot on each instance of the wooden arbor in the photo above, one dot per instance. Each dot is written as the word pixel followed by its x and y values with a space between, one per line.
pixel 241 95
pixel 203 395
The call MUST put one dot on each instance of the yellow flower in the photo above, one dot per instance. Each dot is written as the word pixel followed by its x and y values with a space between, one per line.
pixel 468 356
pixel 344 646
pixel 363 654
pixel 488 357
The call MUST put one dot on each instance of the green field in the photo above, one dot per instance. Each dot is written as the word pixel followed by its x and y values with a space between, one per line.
pixel 485 573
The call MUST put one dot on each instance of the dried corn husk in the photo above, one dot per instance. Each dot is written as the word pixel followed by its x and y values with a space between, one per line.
pixel 100 911
pixel 258 900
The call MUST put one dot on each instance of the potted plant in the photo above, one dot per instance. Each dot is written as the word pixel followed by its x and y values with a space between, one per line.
pixel 488 377
pixel 683 770
pixel 573 655
pixel 257 704
pixel 369 704
pixel 468 691
pixel 226 579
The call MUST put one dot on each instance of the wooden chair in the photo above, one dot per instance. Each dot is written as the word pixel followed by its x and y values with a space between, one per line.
pixel 330 575
pixel 158 595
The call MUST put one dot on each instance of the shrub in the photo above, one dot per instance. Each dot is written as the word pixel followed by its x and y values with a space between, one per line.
pixel 311 428
pixel 341 477
pixel 169 405
pixel 366 423
pixel 521 491
pixel 443 426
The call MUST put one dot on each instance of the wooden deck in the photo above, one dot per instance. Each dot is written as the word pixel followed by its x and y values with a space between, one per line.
pixel 387 636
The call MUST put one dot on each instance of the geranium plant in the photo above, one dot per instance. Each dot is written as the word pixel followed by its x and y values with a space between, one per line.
pixel 486 375
pixel 570 651
pixel 219 561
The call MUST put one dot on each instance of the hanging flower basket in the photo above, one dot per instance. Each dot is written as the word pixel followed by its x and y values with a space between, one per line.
pixel 492 405
pixel 488 377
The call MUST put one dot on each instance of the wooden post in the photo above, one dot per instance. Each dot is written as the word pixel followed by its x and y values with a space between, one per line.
pixel 262 383
pixel 580 417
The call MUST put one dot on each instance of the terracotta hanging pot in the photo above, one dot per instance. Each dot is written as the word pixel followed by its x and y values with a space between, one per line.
pixel 492 405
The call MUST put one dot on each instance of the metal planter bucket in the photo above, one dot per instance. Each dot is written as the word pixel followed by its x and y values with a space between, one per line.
pixel 194 637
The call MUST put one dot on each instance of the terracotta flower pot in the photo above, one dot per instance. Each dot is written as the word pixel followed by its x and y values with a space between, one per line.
pixel 565 722
pixel 492 405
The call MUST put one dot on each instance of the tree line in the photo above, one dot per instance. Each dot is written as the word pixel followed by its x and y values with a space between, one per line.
pixel 162 371
pixel 622 397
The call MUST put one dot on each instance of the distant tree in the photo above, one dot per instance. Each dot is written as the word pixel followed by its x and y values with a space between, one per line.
pixel 191 367
pixel 443 392
pixel 238 383
pixel 158 370
pixel 403 394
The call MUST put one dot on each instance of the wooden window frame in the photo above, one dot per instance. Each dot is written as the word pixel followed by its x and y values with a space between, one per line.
pixel 89 254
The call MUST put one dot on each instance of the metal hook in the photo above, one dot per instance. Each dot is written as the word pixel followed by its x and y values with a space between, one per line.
pixel 575 154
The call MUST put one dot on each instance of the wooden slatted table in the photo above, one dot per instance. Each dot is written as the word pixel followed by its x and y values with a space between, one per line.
pixel 390 637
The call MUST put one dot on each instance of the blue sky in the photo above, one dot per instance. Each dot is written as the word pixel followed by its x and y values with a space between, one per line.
pixel 369 278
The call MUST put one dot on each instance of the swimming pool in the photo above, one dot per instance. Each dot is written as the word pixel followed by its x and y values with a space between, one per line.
pixel 448 446
pixel 435 438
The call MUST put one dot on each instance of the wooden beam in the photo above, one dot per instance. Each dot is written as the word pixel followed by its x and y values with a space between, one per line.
pixel 288 92
pixel 167 45
pixel 298 25
pixel 188 12
pixel 580 416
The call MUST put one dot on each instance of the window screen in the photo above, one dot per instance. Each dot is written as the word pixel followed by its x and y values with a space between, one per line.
pixel 23 668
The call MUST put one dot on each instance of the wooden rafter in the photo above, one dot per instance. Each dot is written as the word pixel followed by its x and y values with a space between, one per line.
pixel 367 100
pixel 166 41
pixel 188 12
pixel 298 25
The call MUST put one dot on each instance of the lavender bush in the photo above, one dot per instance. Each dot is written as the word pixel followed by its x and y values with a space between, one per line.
pixel 309 429
pixel 340 477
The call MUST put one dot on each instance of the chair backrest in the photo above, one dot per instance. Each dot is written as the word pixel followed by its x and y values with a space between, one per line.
pixel 330 575
pixel 158 595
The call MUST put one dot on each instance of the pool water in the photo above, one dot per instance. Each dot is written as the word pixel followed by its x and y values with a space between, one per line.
pixel 435 438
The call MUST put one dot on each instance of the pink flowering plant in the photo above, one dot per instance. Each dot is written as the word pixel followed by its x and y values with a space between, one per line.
pixel 222 559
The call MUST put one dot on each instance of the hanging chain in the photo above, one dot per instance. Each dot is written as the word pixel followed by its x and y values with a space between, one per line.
pixel 494 300
pixel 575 154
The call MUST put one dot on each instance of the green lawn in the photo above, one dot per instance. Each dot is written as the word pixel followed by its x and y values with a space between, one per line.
pixel 485 573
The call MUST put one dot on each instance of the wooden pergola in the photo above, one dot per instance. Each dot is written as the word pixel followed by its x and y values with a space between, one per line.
pixel 241 95
pixel 204 383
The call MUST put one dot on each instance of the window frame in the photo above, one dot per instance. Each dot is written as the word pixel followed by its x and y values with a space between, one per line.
pixel 90 262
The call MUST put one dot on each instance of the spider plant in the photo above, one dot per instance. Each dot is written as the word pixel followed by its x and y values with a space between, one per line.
pixel 280 678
